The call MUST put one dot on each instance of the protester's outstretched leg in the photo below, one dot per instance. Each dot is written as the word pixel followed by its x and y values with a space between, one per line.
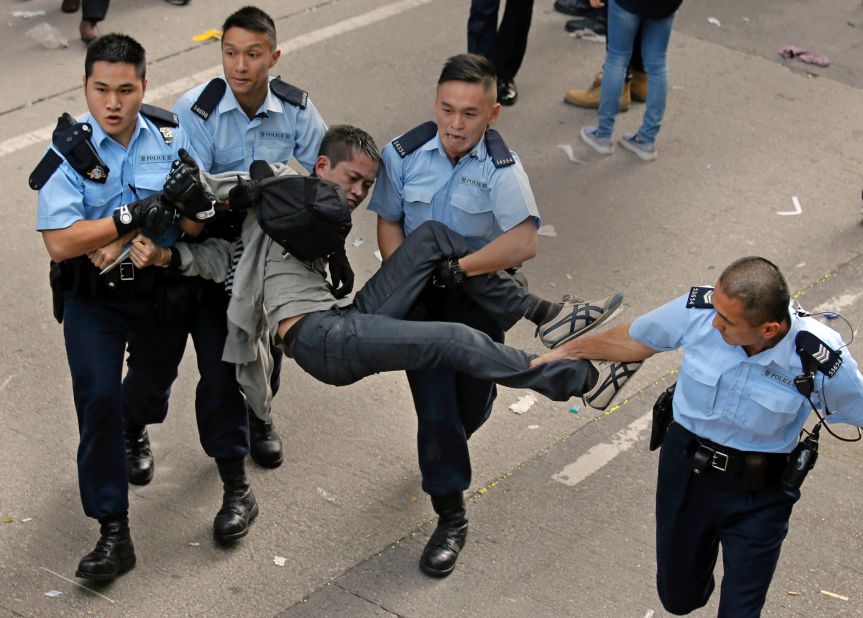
pixel 340 347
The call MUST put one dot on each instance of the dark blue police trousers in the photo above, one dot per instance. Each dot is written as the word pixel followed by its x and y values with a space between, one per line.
pixel 342 346
pixel 96 330
pixel 220 408
pixel 695 514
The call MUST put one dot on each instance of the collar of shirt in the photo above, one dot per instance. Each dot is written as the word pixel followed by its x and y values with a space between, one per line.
pixel 783 353
pixel 229 102
pixel 478 152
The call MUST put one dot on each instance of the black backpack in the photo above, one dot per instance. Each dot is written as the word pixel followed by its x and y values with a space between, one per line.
pixel 308 216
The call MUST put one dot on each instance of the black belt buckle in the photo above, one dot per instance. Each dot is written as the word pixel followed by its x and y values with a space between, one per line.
pixel 127 271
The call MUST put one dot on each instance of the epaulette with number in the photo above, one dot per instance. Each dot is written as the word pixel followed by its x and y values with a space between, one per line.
pixel 500 153
pixel 210 97
pixel 828 359
pixel 413 139
pixel 700 298
pixel 164 119
pixel 72 140
pixel 288 93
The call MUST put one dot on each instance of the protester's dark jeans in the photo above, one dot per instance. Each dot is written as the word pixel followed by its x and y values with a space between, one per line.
pixel 342 346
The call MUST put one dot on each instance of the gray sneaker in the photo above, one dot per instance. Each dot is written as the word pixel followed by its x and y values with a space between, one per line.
pixel 602 145
pixel 612 377
pixel 646 151
pixel 578 317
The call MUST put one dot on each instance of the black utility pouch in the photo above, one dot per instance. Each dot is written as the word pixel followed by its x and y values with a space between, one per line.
pixel 55 277
pixel 755 472
pixel 663 414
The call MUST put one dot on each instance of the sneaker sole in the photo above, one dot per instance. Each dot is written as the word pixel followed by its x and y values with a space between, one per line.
pixel 614 309
pixel 644 156
pixel 589 402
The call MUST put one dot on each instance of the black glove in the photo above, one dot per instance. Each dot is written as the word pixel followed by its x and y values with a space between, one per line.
pixel 448 274
pixel 151 213
pixel 244 195
pixel 341 274
pixel 184 186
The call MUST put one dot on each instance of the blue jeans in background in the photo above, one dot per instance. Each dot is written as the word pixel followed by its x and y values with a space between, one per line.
pixel 622 28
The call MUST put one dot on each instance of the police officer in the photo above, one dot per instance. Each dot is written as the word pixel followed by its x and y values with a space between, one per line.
pixel 458 172
pixel 231 121
pixel 97 182
pixel 737 413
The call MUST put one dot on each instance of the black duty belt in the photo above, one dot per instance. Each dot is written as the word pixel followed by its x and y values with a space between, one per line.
pixel 756 470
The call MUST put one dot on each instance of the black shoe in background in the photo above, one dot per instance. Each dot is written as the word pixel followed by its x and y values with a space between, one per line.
pixel 139 456
pixel 576 8
pixel 265 443
pixel 597 25
pixel 507 93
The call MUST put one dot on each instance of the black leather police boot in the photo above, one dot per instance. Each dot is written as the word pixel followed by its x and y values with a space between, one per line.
pixel 239 506
pixel 441 551
pixel 114 553
pixel 265 444
pixel 139 456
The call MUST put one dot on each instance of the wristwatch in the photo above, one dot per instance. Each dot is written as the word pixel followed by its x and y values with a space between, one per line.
pixel 457 275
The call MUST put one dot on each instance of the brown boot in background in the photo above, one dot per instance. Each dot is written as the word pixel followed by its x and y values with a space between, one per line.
pixel 70 6
pixel 638 86
pixel 89 31
pixel 590 98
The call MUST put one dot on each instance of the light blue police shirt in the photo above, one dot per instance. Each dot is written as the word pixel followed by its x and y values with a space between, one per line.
pixel 473 197
pixel 68 197
pixel 747 402
pixel 228 141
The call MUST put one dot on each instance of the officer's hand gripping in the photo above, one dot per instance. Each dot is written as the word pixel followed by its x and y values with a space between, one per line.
pixel 448 274
pixel 244 195
pixel 184 186
pixel 151 213
pixel 341 274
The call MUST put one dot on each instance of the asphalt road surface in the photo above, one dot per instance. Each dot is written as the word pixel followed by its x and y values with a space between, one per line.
pixel 562 501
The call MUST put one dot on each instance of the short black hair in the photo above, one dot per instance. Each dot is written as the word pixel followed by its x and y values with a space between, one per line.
pixel 471 68
pixel 254 19
pixel 116 48
pixel 759 286
pixel 342 141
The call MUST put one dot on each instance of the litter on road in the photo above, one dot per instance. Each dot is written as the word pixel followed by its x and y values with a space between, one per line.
pixel 523 404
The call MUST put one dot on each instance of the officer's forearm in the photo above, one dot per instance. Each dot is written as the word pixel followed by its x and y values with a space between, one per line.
pixel 390 236
pixel 80 238
pixel 508 250
pixel 614 345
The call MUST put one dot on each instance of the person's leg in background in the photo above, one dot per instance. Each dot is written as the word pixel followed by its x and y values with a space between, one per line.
pixel 92 13
pixel 510 46
pixel 622 28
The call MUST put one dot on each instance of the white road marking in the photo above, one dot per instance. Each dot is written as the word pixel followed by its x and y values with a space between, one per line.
pixel 603 453
pixel 6 382
pixel 177 87
pixel 79 585
pixel 797 209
